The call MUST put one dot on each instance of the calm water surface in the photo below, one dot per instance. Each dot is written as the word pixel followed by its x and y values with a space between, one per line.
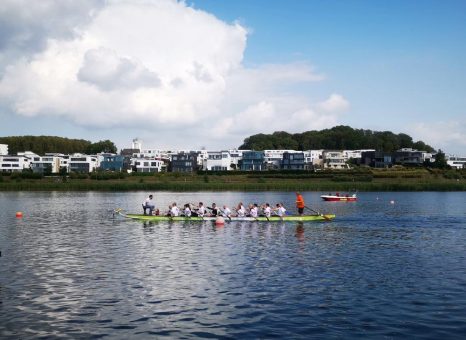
pixel 380 270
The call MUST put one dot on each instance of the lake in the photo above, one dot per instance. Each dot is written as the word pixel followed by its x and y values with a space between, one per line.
pixel 389 265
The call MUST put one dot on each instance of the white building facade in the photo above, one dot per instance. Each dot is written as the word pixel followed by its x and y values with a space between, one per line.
pixel 217 161
pixel 83 163
pixel 334 160
pixel 148 164
pixel 456 162
pixel 3 149
pixel 14 163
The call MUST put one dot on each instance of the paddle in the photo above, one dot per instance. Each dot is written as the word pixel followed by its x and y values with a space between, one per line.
pixel 318 213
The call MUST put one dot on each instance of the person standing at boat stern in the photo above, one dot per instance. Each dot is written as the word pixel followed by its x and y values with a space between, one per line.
pixel 300 203
pixel 148 204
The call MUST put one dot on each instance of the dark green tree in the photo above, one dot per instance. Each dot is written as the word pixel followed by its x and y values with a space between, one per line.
pixel 337 138
pixel 101 146
pixel 440 161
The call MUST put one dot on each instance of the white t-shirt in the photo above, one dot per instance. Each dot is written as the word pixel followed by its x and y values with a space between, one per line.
pixel 267 211
pixel 241 211
pixel 148 202
pixel 187 212
pixel 253 212
pixel 201 211
pixel 175 211
pixel 281 211
pixel 226 212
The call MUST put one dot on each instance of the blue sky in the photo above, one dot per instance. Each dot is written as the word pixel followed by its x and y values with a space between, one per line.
pixel 380 65
pixel 396 61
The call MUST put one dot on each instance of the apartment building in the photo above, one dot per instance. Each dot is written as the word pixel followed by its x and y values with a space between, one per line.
pixel 217 161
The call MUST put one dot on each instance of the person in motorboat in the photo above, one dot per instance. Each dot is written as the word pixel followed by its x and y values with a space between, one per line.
pixel 148 204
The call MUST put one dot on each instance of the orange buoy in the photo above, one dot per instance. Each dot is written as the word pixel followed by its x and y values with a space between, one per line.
pixel 19 214
pixel 220 221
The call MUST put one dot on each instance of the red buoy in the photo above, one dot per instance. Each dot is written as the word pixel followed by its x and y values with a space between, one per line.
pixel 19 214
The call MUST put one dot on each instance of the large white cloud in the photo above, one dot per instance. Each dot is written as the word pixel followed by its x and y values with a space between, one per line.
pixel 123 62
pixel 447 135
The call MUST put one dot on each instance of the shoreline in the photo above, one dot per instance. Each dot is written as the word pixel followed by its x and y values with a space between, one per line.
pixel 219 187
pixel 330 181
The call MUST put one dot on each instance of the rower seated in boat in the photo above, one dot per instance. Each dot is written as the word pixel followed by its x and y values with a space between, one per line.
pixel 240 210
pixel 267 210
pixel 226 212
pixel 174 211
pixel 200 211
pixel 254 211
pixel 187 210
pixel 280 210
pixel 213 210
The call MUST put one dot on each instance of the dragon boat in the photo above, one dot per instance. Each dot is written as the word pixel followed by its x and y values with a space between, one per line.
pixel 287 218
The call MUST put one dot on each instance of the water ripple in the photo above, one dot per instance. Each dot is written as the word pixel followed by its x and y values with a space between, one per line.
pixel 380 270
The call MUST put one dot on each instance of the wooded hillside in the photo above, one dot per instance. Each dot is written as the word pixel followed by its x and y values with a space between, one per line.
pixel 42 144
pixel 336 138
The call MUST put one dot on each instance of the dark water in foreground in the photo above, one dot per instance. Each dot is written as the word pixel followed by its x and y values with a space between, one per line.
pixel 379 270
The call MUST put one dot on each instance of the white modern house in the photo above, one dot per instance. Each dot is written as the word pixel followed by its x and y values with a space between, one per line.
pixel 83 163
pixel 355 154
pixel 456 162
pixel 334 160
pixel 146 164
pixel 217 161
pixel 3 149
pixel 9 163
pixel 313 159
pixel 48 163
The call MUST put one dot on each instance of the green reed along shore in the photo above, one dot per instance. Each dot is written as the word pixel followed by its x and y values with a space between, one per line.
pixel 417 179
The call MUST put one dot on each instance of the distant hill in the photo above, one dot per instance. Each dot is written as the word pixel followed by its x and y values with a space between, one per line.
pixel 43 144
pixel 337 138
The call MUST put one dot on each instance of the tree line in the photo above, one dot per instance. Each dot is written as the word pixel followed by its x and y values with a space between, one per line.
pixel 52 144
pixel 337 138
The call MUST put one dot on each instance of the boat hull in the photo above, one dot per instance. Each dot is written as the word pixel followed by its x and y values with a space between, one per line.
pixel 304 218
pixel 330 198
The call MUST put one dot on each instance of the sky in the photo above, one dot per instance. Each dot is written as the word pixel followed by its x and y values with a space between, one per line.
pixel 209 73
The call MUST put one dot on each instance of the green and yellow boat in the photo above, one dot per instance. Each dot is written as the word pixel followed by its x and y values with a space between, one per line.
pixel 287 218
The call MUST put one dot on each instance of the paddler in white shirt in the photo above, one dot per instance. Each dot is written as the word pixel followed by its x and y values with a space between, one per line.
pixel 226 212
pixel 280 210
pixel 187 210
pixel 254 211
pixel 175 211
pixel 201 210
pixel 241 210
pixel 267 210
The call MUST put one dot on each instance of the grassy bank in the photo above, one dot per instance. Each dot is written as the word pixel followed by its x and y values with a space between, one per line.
pixel 361 180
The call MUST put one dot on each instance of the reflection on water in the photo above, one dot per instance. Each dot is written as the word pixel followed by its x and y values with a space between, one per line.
pixel 379 270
